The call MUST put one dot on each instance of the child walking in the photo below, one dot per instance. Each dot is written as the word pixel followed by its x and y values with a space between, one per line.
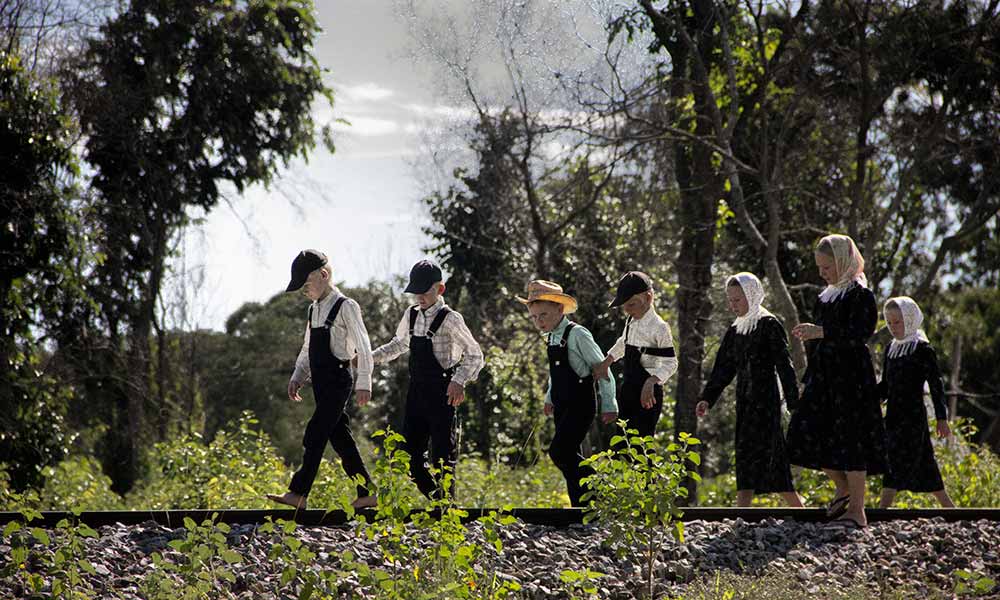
pixel 754 350
pixel 335 334
pixel 648 349
pixel 837 426
pixel 908 362
pixel 444 357
pixel 570 397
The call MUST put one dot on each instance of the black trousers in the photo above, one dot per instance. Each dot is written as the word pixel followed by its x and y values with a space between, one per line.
pixel 572 426
pixel 430 420
pixel 329 423
pixel 630 407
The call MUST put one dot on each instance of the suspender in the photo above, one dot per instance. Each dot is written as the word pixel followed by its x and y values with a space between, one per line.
pixel 435 324
pixel 331 316
pixel 565 338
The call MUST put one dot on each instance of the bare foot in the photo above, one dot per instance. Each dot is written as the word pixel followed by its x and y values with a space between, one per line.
pixel 290 498
pixel 853 518
pixel 365 502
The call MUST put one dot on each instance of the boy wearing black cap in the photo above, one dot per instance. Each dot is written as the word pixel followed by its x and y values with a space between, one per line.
pixel 335 334
pixel 443 358
pixel 648 349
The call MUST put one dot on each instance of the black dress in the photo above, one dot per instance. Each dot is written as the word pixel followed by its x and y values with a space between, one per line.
pixel 911 456
pixel 838 423
pixel 753 359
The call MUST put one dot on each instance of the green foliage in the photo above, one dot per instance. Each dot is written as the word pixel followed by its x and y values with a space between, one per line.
pixel 235 470
pixel 199 566
pixel 78 483
pixel 39 244
pixel 973 584
pixel 581 585
pixel 635 490
pixel 55 561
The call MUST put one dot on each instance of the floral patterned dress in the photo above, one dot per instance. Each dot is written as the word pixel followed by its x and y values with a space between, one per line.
pixel 911 456
pixel 754 359
pixel 838 423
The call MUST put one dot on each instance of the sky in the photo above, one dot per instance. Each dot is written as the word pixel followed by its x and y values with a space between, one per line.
pixel 361 204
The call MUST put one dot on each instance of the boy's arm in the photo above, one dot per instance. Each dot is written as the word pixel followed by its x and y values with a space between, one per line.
pixel 582 343
pixel 472 360
pixel 301 373
pixel 399 344
pixel 662 367
pixel 357 336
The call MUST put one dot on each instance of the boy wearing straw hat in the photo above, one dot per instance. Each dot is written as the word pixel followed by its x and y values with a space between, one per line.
pixel 648 349
pixel 444 357
pixel 570 397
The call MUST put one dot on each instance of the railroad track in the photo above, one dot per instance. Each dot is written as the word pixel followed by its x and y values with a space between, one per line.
pixel 555 517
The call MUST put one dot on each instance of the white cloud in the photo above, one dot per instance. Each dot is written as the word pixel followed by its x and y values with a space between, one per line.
pixel 366 126
pixel 364 91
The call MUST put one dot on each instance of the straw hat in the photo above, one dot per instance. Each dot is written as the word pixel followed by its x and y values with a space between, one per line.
pixel 548 291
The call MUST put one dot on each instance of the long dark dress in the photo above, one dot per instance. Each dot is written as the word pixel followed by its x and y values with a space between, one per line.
pixel 911 456
pixel 838 424
pixel 753 359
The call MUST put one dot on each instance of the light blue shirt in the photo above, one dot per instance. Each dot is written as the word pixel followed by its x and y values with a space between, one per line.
pixel 584 353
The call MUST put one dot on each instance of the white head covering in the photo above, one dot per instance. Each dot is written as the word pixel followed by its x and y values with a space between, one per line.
pixel 912 319
pixel 850 267
pixel 754 291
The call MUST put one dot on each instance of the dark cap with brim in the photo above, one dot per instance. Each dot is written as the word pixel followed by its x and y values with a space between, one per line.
pixel 305 263
pixel 423 275
pixel 631 283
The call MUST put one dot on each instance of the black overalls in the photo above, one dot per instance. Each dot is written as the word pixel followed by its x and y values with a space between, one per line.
pixel 332 382
pixel 574 406
pixel 428 416
pixel 633 379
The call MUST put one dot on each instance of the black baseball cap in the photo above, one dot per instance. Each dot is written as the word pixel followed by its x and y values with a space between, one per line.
pixel 423 275
pixel 305 263
pixel 631 283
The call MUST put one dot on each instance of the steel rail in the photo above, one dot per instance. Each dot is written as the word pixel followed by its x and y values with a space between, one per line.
pixel 553 517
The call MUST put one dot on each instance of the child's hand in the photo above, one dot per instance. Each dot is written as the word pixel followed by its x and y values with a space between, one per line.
pixel 700 409
pixel 456 394
pixel 943 430
pixel 293 390
pixel 548 410
pixel 807 331
pixel 600 370
pixel 362 397
pixel 648 397
pixel 608 417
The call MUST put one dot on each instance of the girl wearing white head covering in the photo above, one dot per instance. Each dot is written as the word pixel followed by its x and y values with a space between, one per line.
pixel 849 262
pixel 838 425
pixel 754 351
pixel 908 363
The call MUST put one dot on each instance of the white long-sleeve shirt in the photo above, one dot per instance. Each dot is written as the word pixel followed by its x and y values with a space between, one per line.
pixel 453 343
pixel 649 331
pixel 348 337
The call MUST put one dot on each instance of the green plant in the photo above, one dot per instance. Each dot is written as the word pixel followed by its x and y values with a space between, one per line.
pixel 20 564
pixel 297 563
pixel 634 490
pixel 202 565
pixel 581 585
pixel 973 584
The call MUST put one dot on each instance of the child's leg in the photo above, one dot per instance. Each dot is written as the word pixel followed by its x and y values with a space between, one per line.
pixel 888 496
pixel 943 498
pixel 417 434
pixel 792 499
pixel 856 486
pixel 444 450
pixel 571 429
pixel 744 497
pixel 318 431
pixel 346 448
pixel 839 479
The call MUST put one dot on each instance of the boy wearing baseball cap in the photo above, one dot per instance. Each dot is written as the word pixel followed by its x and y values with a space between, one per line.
pixel 335 333
pixel 648 349
pixel 444 357
pixel 570 397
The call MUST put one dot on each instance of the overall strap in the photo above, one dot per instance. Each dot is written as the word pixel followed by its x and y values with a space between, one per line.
pixel 628 323
pixel 565 338
pixel 438 320
pixel 333 312
pixel 413 318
